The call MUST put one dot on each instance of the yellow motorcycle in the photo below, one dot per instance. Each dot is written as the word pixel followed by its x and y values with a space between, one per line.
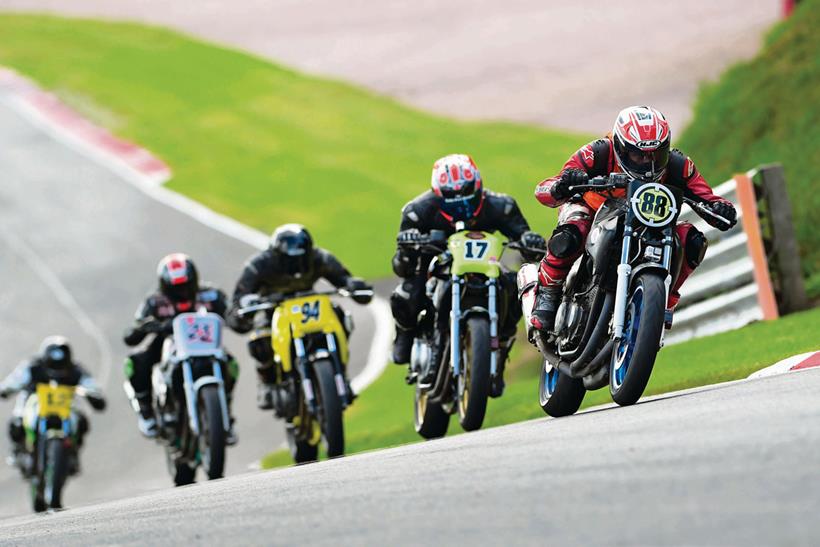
pixel 50 425
pixel 309 336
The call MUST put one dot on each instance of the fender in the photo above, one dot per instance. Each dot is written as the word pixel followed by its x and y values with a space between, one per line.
pixel 645 267
pixel 475 310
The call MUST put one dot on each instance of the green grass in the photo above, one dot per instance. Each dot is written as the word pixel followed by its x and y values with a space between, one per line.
pixel 768 110
pixel 383 414
pixel 265 144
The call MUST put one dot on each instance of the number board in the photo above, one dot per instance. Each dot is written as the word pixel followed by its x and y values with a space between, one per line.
pixel 196 334
pixel 654 204
pixel 476 249
pixel 310 311
pixel 55 400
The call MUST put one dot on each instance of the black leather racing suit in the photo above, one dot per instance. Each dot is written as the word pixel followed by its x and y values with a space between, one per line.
pixel 498 212
pixel 156 306
pixel 264 274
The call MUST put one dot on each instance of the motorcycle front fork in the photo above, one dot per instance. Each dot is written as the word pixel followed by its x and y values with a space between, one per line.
pixel 307 383
pixel 455 325
pixel 191 390
pixel 624 277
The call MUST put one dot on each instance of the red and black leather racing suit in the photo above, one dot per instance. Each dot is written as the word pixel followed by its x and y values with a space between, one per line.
pixel 597 158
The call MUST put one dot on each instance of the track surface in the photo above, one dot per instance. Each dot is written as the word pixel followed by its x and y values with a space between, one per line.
pixel 565 64
pixel 728 465
pixel 101 239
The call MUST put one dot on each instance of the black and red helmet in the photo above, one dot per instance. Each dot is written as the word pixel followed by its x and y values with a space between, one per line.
pixel 641 139
pixel 178 279
pixel 294 247
pixel 457 182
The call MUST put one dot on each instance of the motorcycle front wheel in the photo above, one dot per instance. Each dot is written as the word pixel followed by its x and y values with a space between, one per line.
pixel 52 477
pixel 330 409
pixel 211 432
pixel 474 380
pixel 633 357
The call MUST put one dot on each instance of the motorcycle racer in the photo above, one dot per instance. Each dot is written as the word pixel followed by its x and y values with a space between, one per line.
pixel 179 291
pixel 457 194
pixel 52 363
pixel 290 264
pixel 639 146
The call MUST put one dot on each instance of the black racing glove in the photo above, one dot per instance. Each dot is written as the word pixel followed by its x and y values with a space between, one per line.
pixel 533 240
pixel 571 177
pixel 357 285
pixel 408 237
pixel 725 210
pixel 97 402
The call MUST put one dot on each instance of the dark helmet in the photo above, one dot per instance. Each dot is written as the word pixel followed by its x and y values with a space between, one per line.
pixel 178 279
pixel 641 138
pixel 457 182
pixel 294 247
pixel 55 353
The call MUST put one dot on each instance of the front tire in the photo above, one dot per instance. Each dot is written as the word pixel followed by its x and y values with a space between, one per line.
pixel 634 356
pixel 330 409
pixel 54 473
pixel 474 381
pixel 558 394
pixel 212 432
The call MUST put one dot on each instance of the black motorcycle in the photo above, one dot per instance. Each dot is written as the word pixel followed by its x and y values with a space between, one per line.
pixel 609 326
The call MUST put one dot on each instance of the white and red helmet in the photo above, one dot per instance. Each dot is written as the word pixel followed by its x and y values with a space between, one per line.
pixel 641 140
pixel 457 181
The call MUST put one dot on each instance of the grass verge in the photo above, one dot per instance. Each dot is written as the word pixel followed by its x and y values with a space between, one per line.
pixel 265 144
pixel 383 414
pixel 768 110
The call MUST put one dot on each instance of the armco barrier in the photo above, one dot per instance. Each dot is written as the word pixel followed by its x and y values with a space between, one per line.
pixel 732 287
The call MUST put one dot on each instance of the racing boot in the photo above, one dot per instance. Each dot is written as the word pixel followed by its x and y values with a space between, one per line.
pixel 285 398
pixel 231 438
pixel 264 396
pixel 402 345
pixel 546 304
pixel 146 419
pixel 497 384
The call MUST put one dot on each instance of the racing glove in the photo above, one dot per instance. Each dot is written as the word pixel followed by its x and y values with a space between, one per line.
pixel 408 236
pixel 356 284
pixel 560 190
pixel 533 240
pixel 725 210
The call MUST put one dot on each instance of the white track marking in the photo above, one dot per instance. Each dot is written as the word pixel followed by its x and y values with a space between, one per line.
pixel 380 347
pixel 52 281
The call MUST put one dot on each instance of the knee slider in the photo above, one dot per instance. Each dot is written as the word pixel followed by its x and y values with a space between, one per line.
pixel 565 242
pixel 259 346
pixel 16 433
pixel 695 247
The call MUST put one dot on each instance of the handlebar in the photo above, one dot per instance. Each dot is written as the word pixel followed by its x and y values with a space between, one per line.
pixel 272 300
pixel 619 180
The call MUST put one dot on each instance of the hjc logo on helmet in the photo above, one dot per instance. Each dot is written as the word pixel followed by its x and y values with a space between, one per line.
pixel 648 145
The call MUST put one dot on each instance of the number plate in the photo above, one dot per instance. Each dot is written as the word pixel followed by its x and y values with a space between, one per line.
pixel 310 310
pixel 196 334
pixel 55 400
pixel 476 249
pixel 654 205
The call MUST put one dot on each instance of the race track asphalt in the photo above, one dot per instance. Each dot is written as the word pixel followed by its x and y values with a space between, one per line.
pixel 733 464
pixel 67 222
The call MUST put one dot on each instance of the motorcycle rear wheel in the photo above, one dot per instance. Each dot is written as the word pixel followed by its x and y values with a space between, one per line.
pixel 474 381
pixel 634 356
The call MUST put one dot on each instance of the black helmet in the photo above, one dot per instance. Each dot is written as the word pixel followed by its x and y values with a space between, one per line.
pixel 294 247
pixel 178 279
pixel 55 353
